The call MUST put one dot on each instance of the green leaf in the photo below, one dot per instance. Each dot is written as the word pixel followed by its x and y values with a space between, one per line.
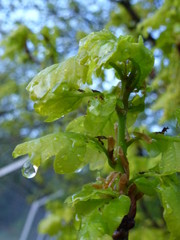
pixel 170 159
pixel 95 154
pixel 71 151
pixel 89 192
pixel 54 106
pixel 93 226
pixel 68 74
pixel 71 154
pixel 114 212
pixel 104 218
pixel 169 190
pixel 170 149
pixel 128 49
pixel 146 185
pixel 139 163
pixel 101 116
pixel 137 104
pixel 148 233
pixel 43 148
pixel 55 89
pixel 96 49
pixel 77 125
pixel 101 48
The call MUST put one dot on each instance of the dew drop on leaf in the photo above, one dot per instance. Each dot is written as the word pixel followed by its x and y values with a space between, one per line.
pixel 78 170
pixel 29 170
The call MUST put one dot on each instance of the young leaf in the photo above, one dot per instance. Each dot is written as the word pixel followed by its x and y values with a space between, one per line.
pixel 170 149
pixel 101 48
pixel 57 104
pixel 77 125
pixel 101 116
pixel 146 185
pixel 129 49
pixel 69 72
pixel 104 218
pixel 71 154
pixel 169 190
pixel 93 226
pixel 95 50
pixel 114 212
pixel 88 192
pixel 70 151
pixel 55 89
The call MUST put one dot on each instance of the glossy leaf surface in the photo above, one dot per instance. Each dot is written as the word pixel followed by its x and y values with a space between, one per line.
pixel 169 147
pixel 89 192
pixel 68 148
pixel 146 185
pixel 55 89
pixel 104 218
pixel 101 116
pixel 103 47
pixel 114 212
pixel 169 190
pixel 48 80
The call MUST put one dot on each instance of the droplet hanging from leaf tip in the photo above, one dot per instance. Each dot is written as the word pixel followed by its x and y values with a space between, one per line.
pixel 29 170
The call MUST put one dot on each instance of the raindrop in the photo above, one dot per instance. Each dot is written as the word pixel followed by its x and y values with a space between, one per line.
pixel 78 170
pixel 29 170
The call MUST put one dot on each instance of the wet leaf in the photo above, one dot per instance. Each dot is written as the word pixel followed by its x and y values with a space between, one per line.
pixel 146 185
pixel 89 192
pixel 101 48
pixel 114 212
pixel 103 218
pixel 71 151
pixel 169 191
pixel 55 89
pixel 101 116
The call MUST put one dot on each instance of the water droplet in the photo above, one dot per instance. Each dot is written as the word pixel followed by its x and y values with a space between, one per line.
pixel 29 170
pixel 78 170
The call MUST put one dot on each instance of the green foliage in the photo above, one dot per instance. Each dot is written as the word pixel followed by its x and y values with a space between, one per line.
pixel 56 84
pixel 101 222
pixel 58 222
pixel 169 191
pixel 57 144
pixel 100 49
pixel 169 148
pixel 16 42
pixel 139 163
pixel 99 211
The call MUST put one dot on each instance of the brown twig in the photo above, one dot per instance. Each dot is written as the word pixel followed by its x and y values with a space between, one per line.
pixel 128 221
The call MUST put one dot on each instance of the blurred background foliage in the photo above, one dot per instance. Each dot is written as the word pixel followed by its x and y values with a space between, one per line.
pixel 37 34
